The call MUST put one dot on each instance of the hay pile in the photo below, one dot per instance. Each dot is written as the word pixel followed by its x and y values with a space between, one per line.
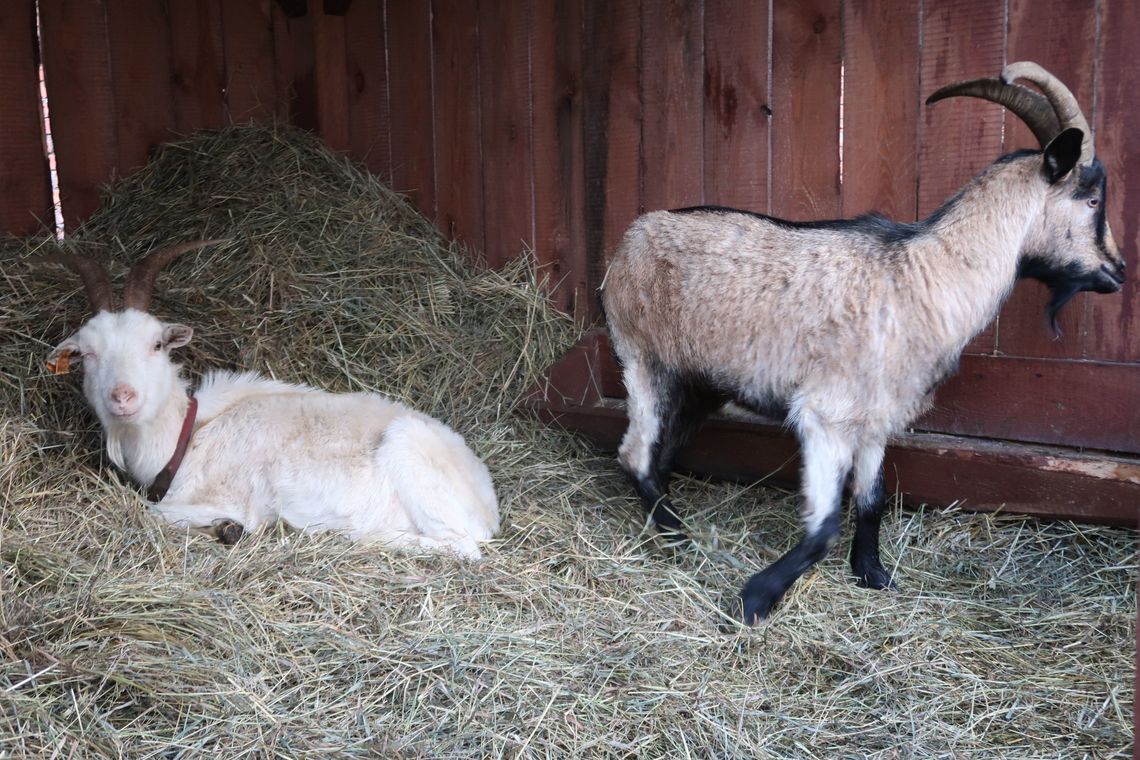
pixel 577 636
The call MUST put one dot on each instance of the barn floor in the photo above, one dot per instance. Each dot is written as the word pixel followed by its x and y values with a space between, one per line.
pixel 577 635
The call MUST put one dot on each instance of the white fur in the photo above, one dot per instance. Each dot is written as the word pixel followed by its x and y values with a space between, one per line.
pixel 262 450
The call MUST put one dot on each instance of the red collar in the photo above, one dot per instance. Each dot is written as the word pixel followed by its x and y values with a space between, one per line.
pixel 161 483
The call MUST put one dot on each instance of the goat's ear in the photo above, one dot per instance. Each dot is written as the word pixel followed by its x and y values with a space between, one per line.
pixel 60 359
pixel 1062 154
pixel 176 336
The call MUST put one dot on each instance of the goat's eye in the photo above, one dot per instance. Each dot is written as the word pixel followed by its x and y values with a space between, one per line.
pixel 1093 202
pixel 158 345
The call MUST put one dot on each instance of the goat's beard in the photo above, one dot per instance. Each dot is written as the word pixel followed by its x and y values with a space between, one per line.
pixel 1061 294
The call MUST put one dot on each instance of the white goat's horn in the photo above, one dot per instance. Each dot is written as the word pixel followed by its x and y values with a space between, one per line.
pixel 1062 99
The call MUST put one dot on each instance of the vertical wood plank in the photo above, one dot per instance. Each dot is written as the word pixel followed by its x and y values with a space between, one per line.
pixel 880 117
pixel 25 188
pixel 611 115
pixel 295 70
pixel 410 85
pixel 198 61
pixel 77 68
pixel 806 52
pixel 367 71
pixel 672 79
pixel 1114 320
pixel 332 78
pixel 142 74
pixel 559 180
pixel 736 118
pixel 961 39
pixel 1061 36
pixel 505 28
pixel 247 29
pixel 458 168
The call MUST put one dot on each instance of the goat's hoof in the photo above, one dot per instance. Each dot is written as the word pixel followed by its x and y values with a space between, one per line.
pixel 761 594
pixel 874 576
pixel 228 532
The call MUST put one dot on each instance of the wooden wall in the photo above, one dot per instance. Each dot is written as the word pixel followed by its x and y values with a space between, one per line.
pixel 552 123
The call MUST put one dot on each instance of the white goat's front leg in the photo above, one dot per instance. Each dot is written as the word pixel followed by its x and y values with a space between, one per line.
pixel 827 460
pixel 870 497
pixel 225 523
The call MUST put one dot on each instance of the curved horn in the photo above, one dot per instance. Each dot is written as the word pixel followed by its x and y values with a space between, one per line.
pixel 1064 103
pixel 140 280
pixel 1031 107
pixel 96 281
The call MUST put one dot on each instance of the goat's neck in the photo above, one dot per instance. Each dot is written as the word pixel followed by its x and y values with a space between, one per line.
pixel 970 261
pixel 144 449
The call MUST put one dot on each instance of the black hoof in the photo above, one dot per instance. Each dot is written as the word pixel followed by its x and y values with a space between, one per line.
pixel 760 595
pixel 228 532
pixel 873 575
pixel 669 526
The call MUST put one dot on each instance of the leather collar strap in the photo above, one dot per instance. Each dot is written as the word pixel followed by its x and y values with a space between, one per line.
pixel 161 483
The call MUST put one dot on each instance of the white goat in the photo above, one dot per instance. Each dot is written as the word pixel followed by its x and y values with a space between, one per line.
pixel 245 450
pixel 846 327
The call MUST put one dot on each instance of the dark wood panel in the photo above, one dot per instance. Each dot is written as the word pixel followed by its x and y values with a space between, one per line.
pixel 880 107
pixel 25 188
pixel 1114 321
pixel 295 69
pixel 77 68
pixel 924 468
pixel 736 112
pixel 505 118
pixel 142 75
pixel 806 51
pixel 198 61
pixel 612 116
pixel 1073 403
pixel 961 39
pixel 332 78
pixel 410 90
pixel 367 71
pixel 672 76
pixel 458 144
pixel 247 32
pixel 559 181
pixel 1061 36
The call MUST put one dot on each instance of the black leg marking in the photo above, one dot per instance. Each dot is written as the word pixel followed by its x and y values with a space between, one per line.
pixel 765 589
pixel 865 562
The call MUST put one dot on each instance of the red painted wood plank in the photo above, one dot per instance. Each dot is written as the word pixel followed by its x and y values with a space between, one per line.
pixel 368 110
pixel 1061 36
pixel 198 59
pixel 1114 321
pixel 961 39
pixel 505 28
pixel 559 180
pixel 881 97
pixel 247 30
pixel 77 68
pixel 459 167
pixel 672 85
pixel 295 69
pixel 806 45
pixel 1071 403
pixel 142 75
pixel 410 87
pixel 25 188
pixel 612 116
pixel 736 117
pixel 332 78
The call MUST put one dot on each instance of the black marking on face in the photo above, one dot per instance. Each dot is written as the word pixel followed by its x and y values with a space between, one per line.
pixel 1064 282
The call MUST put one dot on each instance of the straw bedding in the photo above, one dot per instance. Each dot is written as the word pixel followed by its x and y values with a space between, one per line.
pixel 578 635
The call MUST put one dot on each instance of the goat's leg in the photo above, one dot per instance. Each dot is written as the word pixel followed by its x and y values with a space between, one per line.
pixel 222 522
pixel 827 458
pixel 870 497
pixel 654 401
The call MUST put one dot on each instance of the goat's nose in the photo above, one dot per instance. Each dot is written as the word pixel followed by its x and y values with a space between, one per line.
pixel 123 394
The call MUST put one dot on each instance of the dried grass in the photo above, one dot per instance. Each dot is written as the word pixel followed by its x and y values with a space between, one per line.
pixel 577 636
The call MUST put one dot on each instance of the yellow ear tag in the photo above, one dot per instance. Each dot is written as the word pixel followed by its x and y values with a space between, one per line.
pixel 61 365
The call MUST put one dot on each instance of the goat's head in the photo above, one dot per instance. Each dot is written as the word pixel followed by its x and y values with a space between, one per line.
pixel 1070 247
pixel 128 373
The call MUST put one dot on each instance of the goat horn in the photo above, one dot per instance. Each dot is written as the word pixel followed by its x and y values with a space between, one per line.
pixel 1031 107
pixel 96 281
pixel 1064 103
pixel 140 280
